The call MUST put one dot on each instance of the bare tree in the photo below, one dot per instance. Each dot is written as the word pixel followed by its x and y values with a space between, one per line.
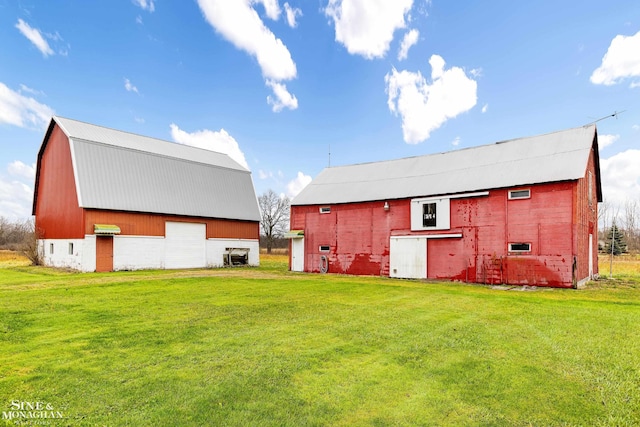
pixel 631 213
pixel 30 244
pixel 274 210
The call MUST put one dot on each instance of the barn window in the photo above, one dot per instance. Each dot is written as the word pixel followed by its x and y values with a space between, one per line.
pixel 429 215
pixel 235 256
pixel 325 209
pixel 519 247
pixel 70 248
pixel 519 194
pixel 51 248
pixel 325 248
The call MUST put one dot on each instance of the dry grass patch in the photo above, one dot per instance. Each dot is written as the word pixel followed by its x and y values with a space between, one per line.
pixel 12 259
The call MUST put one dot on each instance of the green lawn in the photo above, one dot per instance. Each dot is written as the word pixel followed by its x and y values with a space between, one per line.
pixel 262 346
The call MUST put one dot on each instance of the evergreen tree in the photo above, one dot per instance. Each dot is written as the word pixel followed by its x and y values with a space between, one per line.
pixel 616 237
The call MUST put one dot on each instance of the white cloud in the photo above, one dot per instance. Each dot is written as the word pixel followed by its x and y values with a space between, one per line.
pixel 27 89
pixel 219 141
pixel 271 8
pixel 476 72
pixel 19 169
pixel 240 24
pixel 635 127
pixel 148 5
pixel 139 20
pixel 297 184
pixel 292 15
pixel 620 176
pixel 264 175
pixel 621 61
pixel 129 87
pixel 35 37
pixel 485 107
pixel 16 192
pixel 425 107
pixel 634 85
pixel 282 97
pixel 456 141
pixel 15 199
pixel 409 40
pixel 19 110
pixel 606 140
pixel 366 27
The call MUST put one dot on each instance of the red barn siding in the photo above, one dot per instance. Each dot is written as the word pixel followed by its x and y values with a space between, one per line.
pixel 58 215
pixel 359 233
pixel 148 224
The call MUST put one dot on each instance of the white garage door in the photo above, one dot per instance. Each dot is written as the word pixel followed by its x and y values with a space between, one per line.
pixel 185 245
pixel 408 257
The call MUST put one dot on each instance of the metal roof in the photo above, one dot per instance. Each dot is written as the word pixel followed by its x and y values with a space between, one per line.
pixel 557 156
pixel 117 170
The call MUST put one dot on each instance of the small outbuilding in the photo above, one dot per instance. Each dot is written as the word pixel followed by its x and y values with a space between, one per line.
pixel 519 212
pixel 110 200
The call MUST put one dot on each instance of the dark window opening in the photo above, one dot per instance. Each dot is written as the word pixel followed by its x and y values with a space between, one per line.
pixel 325 209
pixel 429 215
pixel 235 256
pixel 325 248
pixel 519 247
pixel 519 194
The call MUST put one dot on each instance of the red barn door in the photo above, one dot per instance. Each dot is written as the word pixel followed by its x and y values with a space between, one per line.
pixel 104 253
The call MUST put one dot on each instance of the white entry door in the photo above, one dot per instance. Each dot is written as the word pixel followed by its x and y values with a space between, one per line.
pixel 297 254
pixel 590 256
pixel 408 257
pixel 185 245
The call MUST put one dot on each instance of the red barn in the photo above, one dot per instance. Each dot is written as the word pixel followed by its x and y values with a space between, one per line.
pixel 110 200
pixel 520 212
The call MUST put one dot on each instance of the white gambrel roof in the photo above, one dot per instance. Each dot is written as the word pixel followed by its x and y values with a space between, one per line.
pixel 558 156
pixel 117 170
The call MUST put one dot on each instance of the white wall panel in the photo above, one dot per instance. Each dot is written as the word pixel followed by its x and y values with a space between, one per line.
pixel 185 245
pixel 408 257
pixel 138 252
pixel 61 257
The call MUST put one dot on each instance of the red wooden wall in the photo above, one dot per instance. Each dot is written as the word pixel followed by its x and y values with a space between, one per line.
pixel 149 224
pixel 550 220
pixel 58 215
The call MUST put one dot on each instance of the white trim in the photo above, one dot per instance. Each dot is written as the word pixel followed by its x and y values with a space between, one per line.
pixel 451 196
pixel 430 236
pixel 465 195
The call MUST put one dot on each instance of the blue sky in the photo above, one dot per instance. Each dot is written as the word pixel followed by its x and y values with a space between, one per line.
pixel 278 85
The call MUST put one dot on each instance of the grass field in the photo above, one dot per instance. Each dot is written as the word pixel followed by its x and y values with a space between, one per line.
pixel 263 346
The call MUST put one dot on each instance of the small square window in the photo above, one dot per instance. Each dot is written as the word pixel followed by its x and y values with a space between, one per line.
pixel 429 215
pixel 70 248
pixel 519 247
pixel 325 248
pixel 51 248
pixel 325 209
pixel 519 194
